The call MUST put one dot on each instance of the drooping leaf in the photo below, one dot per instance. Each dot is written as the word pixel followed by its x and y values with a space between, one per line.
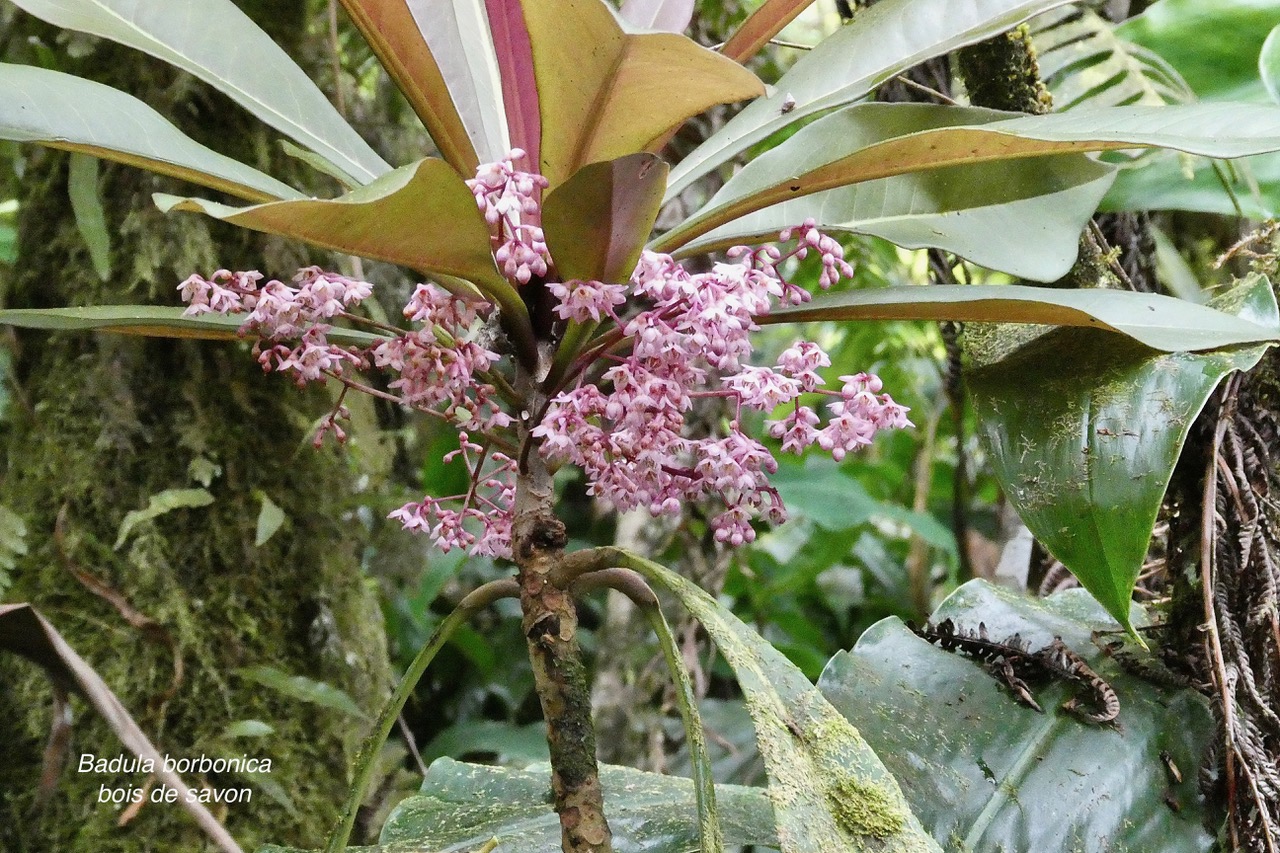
pixel 596 222
pixel 1084 63
pixel 421 216
pixel 67 112
pixel 760 26
pixel 303 689
pixel 154 321
pixel 872 141
pixel 462 807
pixel 1084 432
pixel 521 95
pixel 986 773
pixel 219 44
pixel 882 41
pixel 830 792
pixel 86 206
pixel 668 16
pixel 605 93
pixel 437 55
pixel 160 504
pixel 1159 322
pixel 988 213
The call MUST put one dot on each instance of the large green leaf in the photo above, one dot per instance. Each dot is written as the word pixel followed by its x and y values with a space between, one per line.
pixel 1160 322
pixel 67 112
pixel 882 41
pixel 1214 44
pixel 420 216
pixel 1249 186
pixel 462 807
pixel 220 45
pixel 870 141
pixel 829 790
pixel 988 213
pixel 1084 432
pixel 597 221
pixel 154 321
pixel 988 774
pixel 604 93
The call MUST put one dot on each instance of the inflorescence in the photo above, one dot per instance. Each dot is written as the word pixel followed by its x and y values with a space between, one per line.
pixel 666 339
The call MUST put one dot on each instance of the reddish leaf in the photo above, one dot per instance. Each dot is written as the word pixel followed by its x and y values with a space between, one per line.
pixel 763 24
pixel 520 91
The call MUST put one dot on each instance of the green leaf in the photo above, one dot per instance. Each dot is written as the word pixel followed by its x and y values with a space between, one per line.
pixel 604 93
pixel 870 141
pixel 462 807
pixel 439 55
pixel 1084 431
pixel 270 518
pixel 86 205
pixel 1160 322
pixel 881 42
pixel 1213 45
pixel 247 728
pixel 219 44
pixel 303 689
pixel 988 213
pixel 986 773
pixel 420 216
pixel 1085 63
pixel 159 504
pixel 64 111
pixel 1269 64
pixel 1249 186
pixel 155 321
pixel 830 791
pixel 597 221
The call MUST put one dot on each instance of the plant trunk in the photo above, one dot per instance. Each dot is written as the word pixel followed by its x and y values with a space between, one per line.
pixel 98 425
pixel 551 628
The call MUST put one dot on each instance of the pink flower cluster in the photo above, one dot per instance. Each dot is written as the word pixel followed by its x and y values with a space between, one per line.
pixel 667 339
pixel 627 430
pixel 509 200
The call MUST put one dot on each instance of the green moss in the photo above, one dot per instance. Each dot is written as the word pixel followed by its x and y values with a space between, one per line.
pixel 866 808
pixel 114 420
pixel 1002 73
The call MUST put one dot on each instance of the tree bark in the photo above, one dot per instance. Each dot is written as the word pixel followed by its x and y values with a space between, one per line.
pixel 103 423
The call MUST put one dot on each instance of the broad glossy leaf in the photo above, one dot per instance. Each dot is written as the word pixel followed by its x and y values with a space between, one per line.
pixel 597 221
pixel 760 26
pixel 153 321
pixel 462 807
pixel 872 141
pixel 220 45
pixel 605 93
pixel 830 791
pixel 1160 322
pixel 421 216
pixel 68 112
pixel 1181 182
pixel 438 56
pixel 1084 431
pixel 1214 44
pixel 882 41
pixel 988 213
pixel 986 773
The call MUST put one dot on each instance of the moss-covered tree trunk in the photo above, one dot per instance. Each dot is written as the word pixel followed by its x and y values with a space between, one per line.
pixel 101 423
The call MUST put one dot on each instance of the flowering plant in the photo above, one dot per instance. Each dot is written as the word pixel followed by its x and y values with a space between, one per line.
pixel 559 329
